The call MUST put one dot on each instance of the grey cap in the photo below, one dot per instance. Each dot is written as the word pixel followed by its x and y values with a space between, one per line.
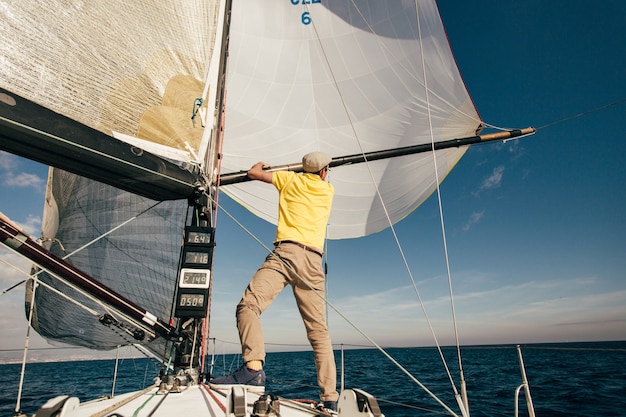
pixel 315 161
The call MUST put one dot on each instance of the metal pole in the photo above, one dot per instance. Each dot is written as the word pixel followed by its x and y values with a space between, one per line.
pixel 117 358
pixel 529 400
pixel 242 176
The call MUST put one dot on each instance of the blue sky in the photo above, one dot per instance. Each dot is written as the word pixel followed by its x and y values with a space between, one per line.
pixel 535 228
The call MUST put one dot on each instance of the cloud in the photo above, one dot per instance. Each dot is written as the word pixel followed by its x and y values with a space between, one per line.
pixel 32 226
pixel 492 181
pixel 9 164
pixel 24 179
pixel 528 311
pixel 474 218
pixel 7 161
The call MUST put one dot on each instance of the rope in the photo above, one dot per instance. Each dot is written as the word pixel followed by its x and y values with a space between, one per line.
pixel 391 226
pixel 58 292
pixel 197 103
pixel 443 229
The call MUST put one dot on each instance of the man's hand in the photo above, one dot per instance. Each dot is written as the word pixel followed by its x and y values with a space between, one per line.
pixel 257 172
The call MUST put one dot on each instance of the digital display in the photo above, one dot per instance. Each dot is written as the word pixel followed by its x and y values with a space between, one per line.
pixel 194 278
pixel 198 237
pixel 197 258
pixel 191 301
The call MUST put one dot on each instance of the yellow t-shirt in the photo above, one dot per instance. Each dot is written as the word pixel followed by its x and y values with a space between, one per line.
pixel 304 204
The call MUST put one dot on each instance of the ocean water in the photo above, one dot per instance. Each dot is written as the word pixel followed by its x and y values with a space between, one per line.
pixel 573 379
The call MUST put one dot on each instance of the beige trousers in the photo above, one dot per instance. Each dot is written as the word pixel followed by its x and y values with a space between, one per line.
pixel 265 285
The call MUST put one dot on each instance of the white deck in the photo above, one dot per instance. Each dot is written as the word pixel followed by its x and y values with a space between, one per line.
pixel 201 400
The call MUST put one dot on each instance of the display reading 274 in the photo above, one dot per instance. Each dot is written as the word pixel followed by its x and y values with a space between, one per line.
pixel 306 16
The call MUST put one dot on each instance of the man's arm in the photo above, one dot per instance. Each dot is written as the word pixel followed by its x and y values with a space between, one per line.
pixel 257 173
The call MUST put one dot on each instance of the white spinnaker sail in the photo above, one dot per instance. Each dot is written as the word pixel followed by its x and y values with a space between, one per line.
pixel 343 77
pixel 117 66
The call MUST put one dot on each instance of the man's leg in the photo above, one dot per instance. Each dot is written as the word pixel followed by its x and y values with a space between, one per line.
pixel 312 309
pixel 264 287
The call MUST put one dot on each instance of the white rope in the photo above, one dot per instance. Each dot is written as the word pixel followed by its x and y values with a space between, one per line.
pixel 36 283
pixel 443 228
pixel 391 226
pixel 28 328
pixel 79 290
pixel 26 345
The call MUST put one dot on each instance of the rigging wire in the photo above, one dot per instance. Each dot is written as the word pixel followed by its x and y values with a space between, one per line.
pixel 74 301
pixel 67 297
pixel 377 191
pixel 62 295
pixel 576 116
pixel 356 136
pixel 463 401
pixel 12 287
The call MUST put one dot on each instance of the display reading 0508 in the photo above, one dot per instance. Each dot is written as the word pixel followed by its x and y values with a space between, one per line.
pixel 191 300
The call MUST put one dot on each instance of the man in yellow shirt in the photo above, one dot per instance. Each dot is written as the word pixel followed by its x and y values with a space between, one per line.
pixel 304 206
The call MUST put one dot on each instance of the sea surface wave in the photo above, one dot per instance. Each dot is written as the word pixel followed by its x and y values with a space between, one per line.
pixel 568 379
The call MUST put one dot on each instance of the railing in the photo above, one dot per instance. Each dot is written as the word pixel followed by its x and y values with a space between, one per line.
pixel 529 400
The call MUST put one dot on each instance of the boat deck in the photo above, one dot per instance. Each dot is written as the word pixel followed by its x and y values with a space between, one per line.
pixel 195 400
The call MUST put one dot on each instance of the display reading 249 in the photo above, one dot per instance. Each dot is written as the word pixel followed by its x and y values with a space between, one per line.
pixel 306 16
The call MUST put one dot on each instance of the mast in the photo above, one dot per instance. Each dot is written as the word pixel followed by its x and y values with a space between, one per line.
pixel 241 176
pixel 193 293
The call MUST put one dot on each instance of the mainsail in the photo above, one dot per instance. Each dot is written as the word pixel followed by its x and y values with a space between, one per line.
pixel 345 77
pixel 123 68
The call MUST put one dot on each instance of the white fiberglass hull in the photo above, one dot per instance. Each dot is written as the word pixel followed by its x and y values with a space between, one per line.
pixel 196 400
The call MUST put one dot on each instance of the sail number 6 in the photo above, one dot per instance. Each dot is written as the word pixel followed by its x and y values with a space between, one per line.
pixel 306 16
